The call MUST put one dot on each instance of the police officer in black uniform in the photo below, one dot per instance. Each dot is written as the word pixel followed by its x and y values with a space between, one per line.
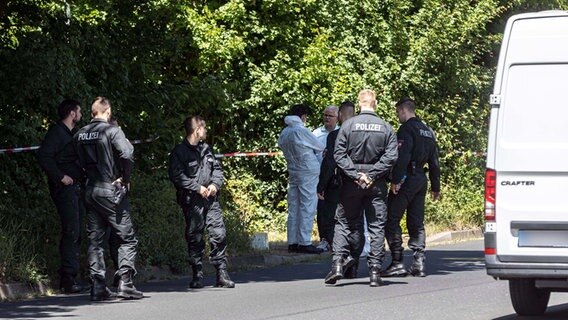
pixel 107 184
pixel 329 188
pixel 365 151
pixel 198 178
pixel 57 157
pixel 417 147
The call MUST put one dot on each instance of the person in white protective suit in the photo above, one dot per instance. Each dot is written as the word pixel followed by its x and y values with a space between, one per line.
pixel 300 148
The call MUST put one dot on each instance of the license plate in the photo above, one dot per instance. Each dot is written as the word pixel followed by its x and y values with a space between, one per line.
pixel 543 238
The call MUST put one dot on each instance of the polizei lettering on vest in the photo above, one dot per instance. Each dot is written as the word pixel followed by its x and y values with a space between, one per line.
pixel 88 136
pixel 367 127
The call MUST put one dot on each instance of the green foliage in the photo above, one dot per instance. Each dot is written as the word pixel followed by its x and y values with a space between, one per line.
pixel 256 200
pixel 17 259
pixel 29 227
pixel 158 221
pixel 240 64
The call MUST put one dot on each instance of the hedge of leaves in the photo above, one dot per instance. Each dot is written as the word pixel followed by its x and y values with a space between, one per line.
pixel 240 64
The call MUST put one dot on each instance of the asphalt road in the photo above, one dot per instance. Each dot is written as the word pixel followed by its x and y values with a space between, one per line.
pixel 456 288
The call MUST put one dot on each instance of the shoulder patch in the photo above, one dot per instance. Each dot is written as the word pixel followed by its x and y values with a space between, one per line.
pixel 426 133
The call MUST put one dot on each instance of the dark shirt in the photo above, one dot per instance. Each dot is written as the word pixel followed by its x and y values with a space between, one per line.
pixel 57 156
pixel 98 145
pixel 328 166
pixel 366 143
pixel 194 166
pixel 417 147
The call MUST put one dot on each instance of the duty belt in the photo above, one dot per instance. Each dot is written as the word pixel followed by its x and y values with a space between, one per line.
pixel 105 185
pixel 363 167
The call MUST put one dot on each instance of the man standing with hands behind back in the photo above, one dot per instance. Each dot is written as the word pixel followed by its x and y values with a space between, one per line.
pixel 365 151
pixel 198 177
pixel 107 158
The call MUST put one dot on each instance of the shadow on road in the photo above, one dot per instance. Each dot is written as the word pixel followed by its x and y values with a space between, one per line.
pixel 46 307
pixel 365 282
pixel 439 263
pixel 553 312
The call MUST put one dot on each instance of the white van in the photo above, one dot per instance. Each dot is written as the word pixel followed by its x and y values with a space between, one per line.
pixel 526 181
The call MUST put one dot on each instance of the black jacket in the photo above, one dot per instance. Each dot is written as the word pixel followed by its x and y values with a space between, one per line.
pixel 57 156
pixel 98 145
pixel 417 147
pixel 366 143
pixel 194 166
pixel 328 165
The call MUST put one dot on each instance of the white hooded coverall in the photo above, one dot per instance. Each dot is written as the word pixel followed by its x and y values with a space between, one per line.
pixel 300 148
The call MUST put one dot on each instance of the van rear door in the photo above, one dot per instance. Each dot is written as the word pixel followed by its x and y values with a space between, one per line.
pixel 531 145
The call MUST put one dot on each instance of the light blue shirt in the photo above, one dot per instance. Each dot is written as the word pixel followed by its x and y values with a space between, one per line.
pixel 321 134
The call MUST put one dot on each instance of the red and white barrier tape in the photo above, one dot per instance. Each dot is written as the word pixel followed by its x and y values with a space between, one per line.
pixel 248 154
pixel 221 155
pixel 144 140
pixel 32 148
pixel 16 150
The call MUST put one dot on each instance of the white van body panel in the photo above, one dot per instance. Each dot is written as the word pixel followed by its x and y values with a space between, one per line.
pixel 528 149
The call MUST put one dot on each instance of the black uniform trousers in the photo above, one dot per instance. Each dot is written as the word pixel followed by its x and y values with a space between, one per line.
pixel 112 239
pixel 200 214
pixel 70 208
pixel 327 209
pixel 326 214
pixel 353 203
pixel 411 197
pixel 102 213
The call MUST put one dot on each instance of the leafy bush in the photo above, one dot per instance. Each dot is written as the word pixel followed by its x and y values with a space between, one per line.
pixel 240 64
pixel 29 225
pixel 258 200
pixel 158 221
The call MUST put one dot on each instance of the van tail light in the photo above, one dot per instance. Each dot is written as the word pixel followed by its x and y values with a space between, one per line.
pixel 490 183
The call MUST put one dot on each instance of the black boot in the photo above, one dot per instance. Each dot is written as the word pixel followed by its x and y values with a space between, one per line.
pixel 375 276
pixel 309 249
pixel 115 280
pixel 336 272
pixel 418 267
pixel 126 288
pixel 69 285
pixel 197 281
pixel 223 279
pixel 348 263
pixel 292 248
pixel 396 268
pixel 100 292
pixel 351 272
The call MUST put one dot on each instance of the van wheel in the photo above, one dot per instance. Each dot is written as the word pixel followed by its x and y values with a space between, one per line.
pixel 526 298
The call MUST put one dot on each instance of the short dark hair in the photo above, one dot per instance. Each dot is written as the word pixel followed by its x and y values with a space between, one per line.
pixel 346 104
pixel 300 110
pixel 190 124
pixel 406 103
pixel 66 106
